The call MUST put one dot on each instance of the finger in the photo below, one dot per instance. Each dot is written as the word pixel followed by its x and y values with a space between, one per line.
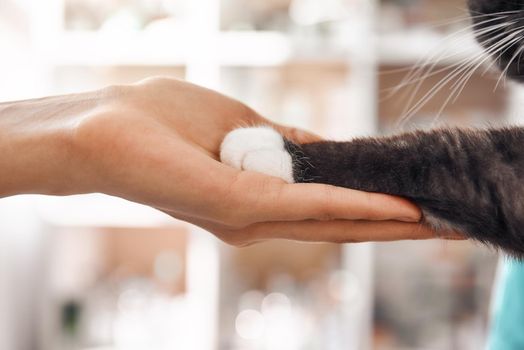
pixel 235 237
pixel 293 134
pixel 273 200
pixel 453 236
pixel 341 231
pixel 297 135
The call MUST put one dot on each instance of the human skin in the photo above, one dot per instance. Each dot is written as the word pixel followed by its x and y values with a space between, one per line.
pixel 157 143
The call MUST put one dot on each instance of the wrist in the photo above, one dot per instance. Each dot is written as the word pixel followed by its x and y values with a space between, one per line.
pixel 34 154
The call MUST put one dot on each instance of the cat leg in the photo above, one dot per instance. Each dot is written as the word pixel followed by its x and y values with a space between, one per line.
pixel 259 149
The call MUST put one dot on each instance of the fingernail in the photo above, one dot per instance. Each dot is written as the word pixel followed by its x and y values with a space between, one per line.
pixel 408 219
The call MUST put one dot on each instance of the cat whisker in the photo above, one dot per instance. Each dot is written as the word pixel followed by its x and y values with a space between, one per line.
pixel 458 68
pixel 490 14
pixel 519 59
pixel 465 70
pixel 410 111
pixel 419 66
pixel 506 47
pixel 467 18
pixel 423 62
pixel 504 72
pixel 456 33
pixel 456 72
pixel 431 71
pixel 461 83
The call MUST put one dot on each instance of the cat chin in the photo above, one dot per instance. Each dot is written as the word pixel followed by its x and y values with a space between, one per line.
pixel 260 149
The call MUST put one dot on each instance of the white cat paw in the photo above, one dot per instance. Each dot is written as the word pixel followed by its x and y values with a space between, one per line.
pixel 259 149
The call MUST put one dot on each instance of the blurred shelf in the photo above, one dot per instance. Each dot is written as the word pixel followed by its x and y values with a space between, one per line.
pixel 412 46
pixel 101 49
pixel 253 49
pixel 250 49
pixel 272 49
pixel 257 49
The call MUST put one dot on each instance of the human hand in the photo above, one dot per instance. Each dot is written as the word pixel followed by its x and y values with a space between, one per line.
pixel 157 143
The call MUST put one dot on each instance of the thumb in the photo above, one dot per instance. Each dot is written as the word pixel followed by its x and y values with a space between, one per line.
pixel 297 135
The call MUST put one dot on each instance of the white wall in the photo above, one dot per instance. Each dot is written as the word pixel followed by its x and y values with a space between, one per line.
pixel 21 243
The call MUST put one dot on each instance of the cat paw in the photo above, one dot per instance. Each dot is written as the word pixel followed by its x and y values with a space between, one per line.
pixel 259 149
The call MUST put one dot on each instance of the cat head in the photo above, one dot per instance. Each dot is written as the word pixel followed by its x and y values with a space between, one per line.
pixel 499 28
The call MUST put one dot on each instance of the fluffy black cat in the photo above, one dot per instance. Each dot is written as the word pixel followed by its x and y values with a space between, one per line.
pixel 464 179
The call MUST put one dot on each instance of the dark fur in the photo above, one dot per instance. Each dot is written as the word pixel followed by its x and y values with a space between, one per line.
pixel 487 13
pixel 469 180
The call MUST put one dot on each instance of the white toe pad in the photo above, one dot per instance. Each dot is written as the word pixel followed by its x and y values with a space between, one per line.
pixel 259 149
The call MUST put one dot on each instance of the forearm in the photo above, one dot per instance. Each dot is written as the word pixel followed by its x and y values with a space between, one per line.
pixel 34 153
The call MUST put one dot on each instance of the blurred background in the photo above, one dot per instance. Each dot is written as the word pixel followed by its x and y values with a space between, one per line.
pixel 95 272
